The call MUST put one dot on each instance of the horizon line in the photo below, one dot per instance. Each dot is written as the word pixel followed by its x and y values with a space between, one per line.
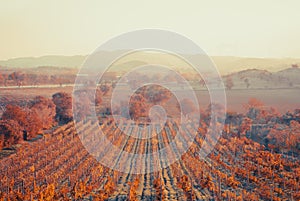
pixel 85 55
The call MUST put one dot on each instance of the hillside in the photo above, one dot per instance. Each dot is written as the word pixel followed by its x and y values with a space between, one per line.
pixel 32 62
pixel 258 79
pixel 244 73
pixel 225 64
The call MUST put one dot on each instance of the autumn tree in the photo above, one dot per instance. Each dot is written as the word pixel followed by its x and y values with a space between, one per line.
pixel 253 107
pixel 17 77
pixel 155 94
pixel 2 79
pixel 63 102
pixel 293 140
pixel 16 113
pixel 286 137
pixel 28 119
pixel 10 133
pixel 45 110
pixel 229 83
pixel 33 124
pixel 137 107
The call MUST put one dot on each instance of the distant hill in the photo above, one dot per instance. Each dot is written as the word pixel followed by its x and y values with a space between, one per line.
pixel 256 78
pixel 225 64
pixel 32 62
pixel 228 64
pixel 293 74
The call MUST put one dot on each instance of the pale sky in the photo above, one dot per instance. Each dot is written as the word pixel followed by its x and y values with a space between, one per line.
pixel 256 28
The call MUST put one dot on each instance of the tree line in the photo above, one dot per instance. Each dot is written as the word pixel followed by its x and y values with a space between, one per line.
pixel 24 123
pixel 18 78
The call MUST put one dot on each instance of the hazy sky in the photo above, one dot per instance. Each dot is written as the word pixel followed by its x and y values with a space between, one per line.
pixel 256 28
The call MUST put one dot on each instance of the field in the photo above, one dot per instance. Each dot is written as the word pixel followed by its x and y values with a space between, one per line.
pixel 58 167
pixel 282 99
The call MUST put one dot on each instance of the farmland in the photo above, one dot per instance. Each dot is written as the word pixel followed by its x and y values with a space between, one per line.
pixel 256 157
pixel 58 167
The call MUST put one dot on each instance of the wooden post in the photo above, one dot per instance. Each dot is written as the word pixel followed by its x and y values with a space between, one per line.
pixel 161 189
pixel 23 190
pixel 192 190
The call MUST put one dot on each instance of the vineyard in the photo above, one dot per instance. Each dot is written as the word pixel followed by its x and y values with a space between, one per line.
pixel 58 167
